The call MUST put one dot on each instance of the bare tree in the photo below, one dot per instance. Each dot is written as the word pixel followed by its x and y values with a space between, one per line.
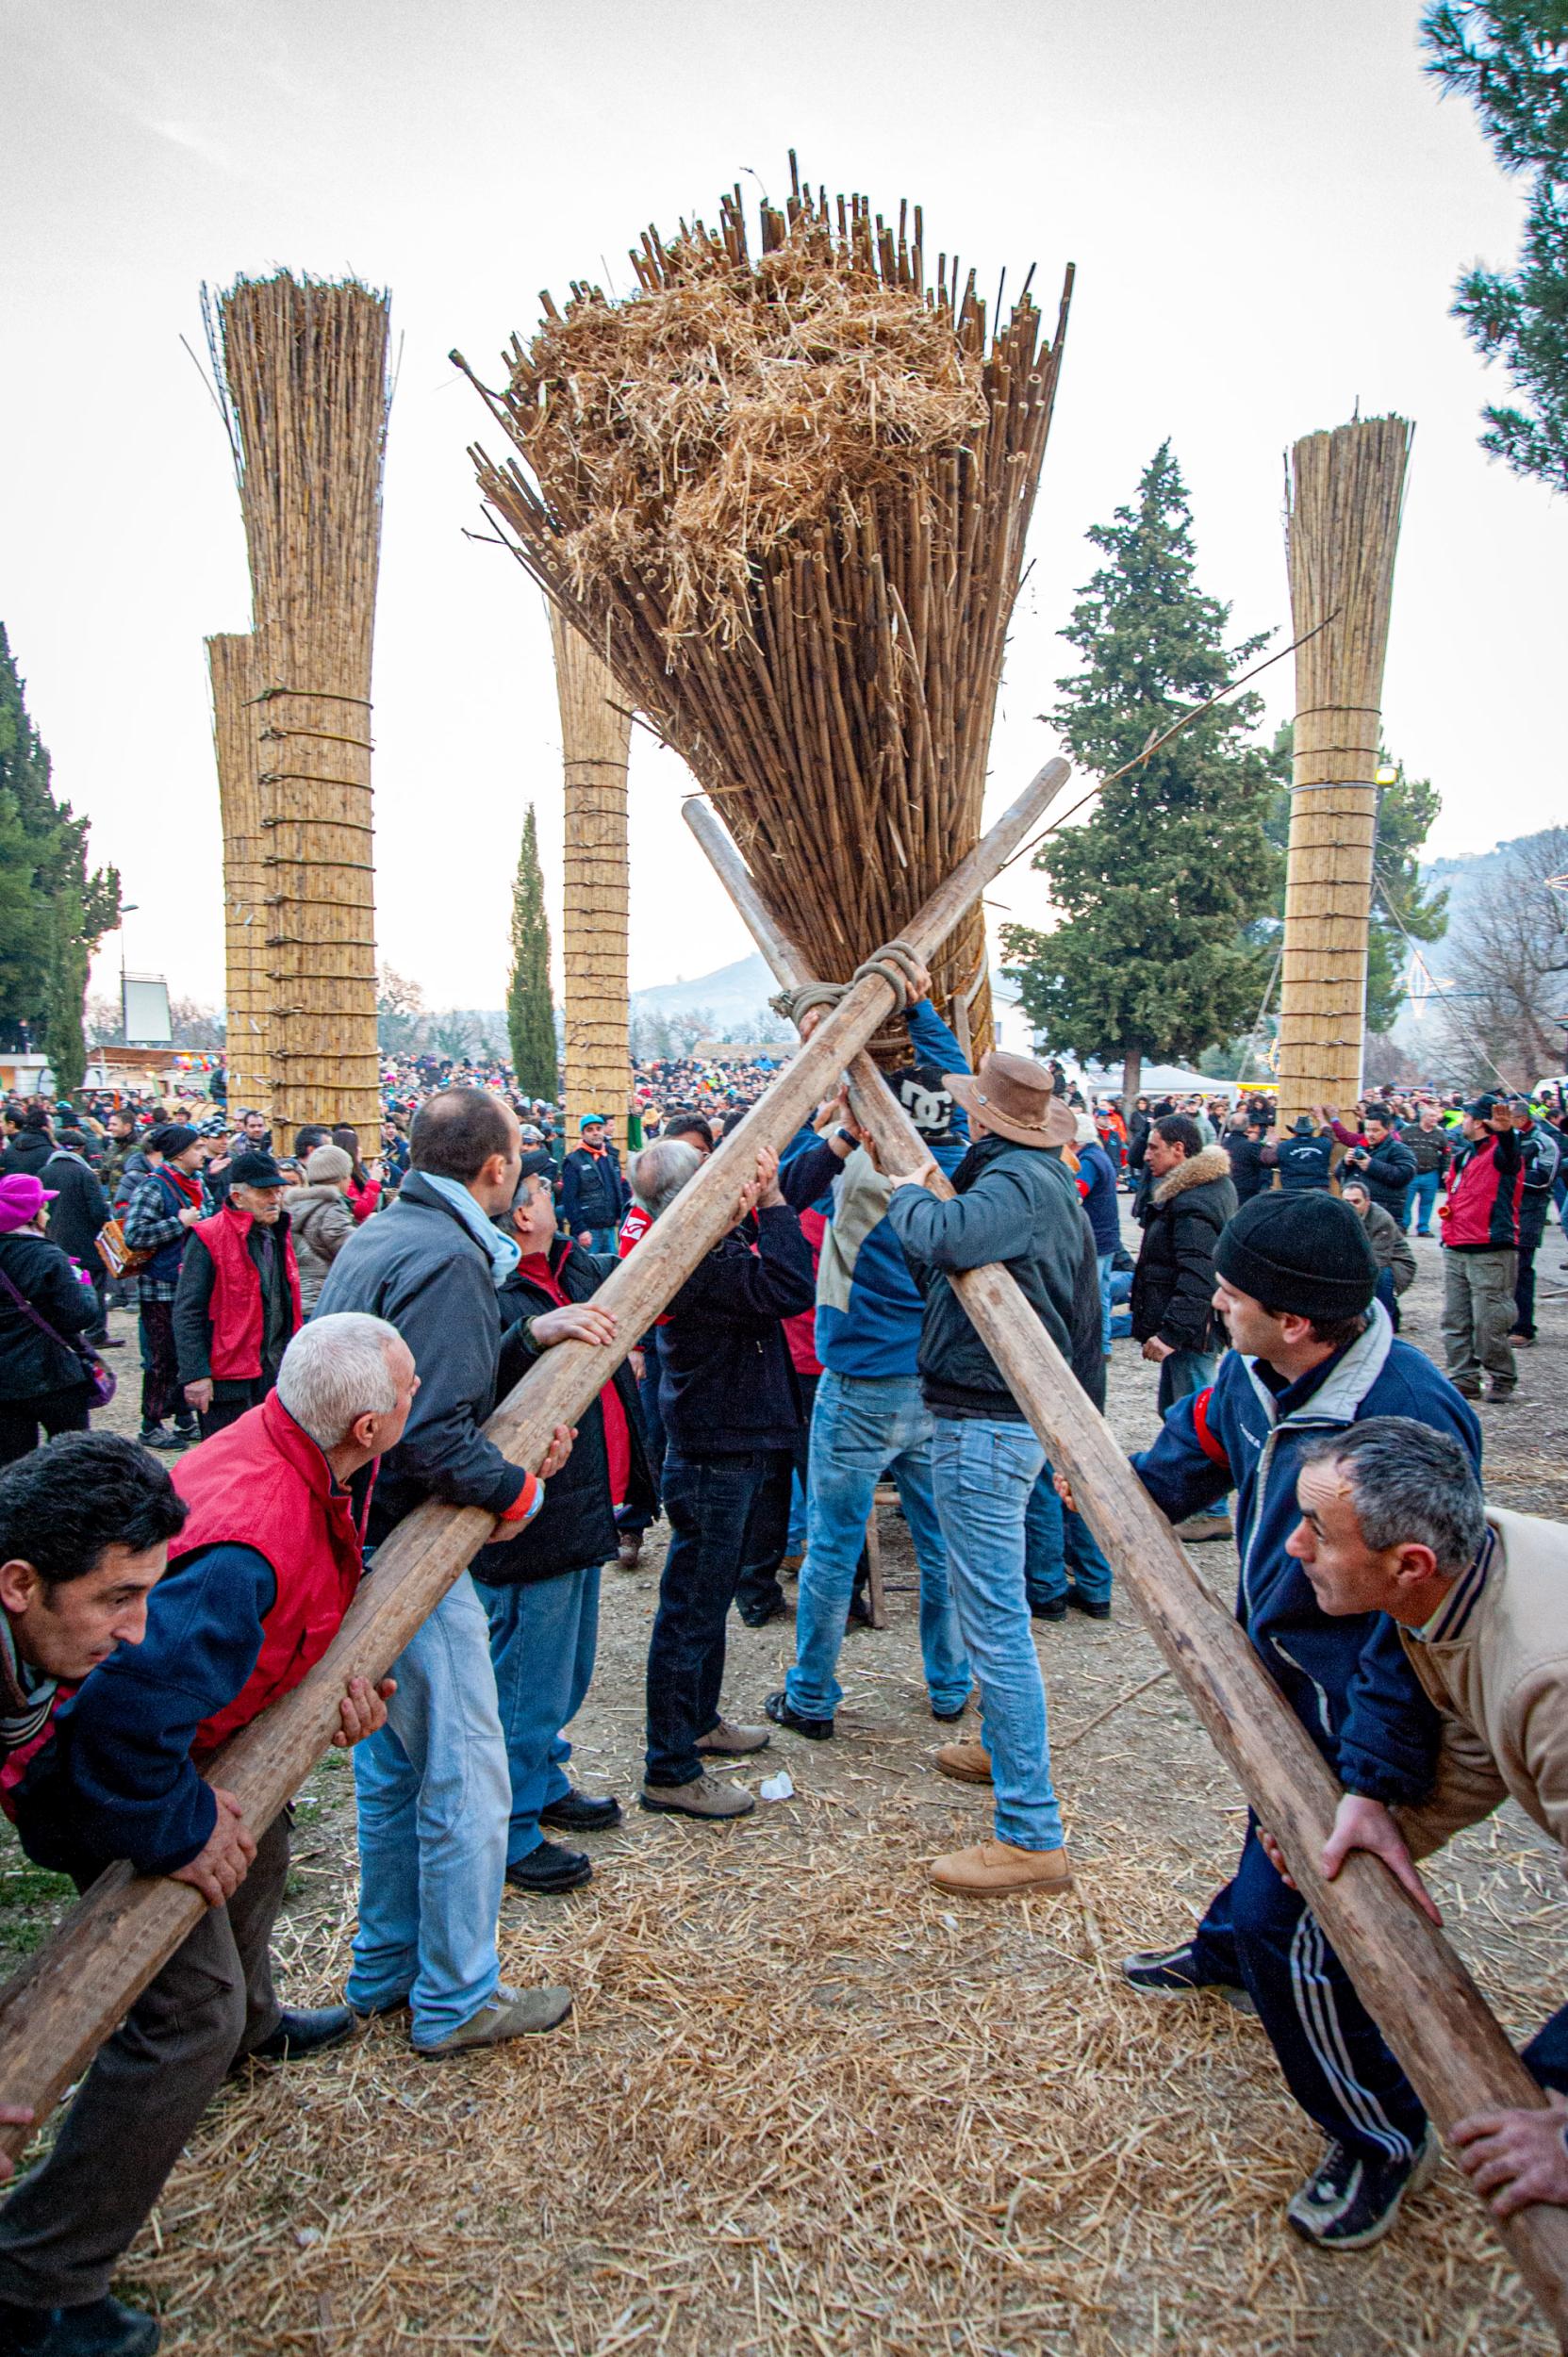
pixel 1506 1008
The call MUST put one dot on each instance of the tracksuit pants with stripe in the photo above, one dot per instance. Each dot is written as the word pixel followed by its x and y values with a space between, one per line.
pixel 1260 1933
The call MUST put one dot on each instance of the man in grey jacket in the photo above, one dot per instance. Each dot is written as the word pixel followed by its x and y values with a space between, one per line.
pixel 1015 1203
pixel 434 1787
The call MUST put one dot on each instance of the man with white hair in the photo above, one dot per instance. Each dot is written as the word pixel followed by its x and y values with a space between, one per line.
pixel 268 1563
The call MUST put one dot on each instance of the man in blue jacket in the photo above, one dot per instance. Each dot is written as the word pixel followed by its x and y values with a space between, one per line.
pixel 593 1192
pixel 870 1421
pixel 1312 1352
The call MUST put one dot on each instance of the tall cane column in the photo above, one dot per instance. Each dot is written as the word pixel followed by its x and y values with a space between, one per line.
pixel 304 365
pixel 596 733
pixel 1344 492
pixel 231 663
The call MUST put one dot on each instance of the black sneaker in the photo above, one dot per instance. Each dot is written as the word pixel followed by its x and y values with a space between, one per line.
pixel 1049 1607
pixel 547 1871
pixel 949 1718
pixel 783 1714
pixel 576 1812
pixel 1174 1973
pixel 304 2030
pixel 154 1436
pixel 1352 2199
pixel 756 1612
pixel 100 2328
pixel 1094 1608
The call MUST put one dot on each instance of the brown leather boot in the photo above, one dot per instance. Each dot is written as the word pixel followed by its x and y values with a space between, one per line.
pixel 995 1869
pixel 966 1762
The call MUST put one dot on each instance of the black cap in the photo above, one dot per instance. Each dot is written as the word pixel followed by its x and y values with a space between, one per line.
pixel 173 1138
pixel 1482 1107
pixel 254 1168
pixel 1305 1253
pixel 535 1164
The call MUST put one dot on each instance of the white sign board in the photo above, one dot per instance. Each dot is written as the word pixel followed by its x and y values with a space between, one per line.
pixel 145 1009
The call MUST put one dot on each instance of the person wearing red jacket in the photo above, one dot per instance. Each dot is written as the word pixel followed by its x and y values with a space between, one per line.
pixel 1481 1250
pixel 238 1302
pixel 266 1563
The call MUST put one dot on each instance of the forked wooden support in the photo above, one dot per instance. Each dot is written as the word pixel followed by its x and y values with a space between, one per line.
pixel 1429 2009
pixel 60 2008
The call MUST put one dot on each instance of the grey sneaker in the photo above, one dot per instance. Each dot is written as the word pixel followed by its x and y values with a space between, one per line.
pixel 703 1797
pixel 727 1743
pixel 510 2013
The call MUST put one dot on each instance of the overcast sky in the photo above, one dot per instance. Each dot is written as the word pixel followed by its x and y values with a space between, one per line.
pixel 1266 201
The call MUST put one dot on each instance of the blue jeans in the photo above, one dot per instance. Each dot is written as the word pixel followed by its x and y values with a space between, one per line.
pixel 543 1638
pixel 1182 1372
pixel 725 1512
pixel 433 1794
pixel 862 1427
pixel 1107 1267
pixel 1422 1190
pixel 981 1476
pixel 1056 1540
pixel 606 1240
pixel 1258 1932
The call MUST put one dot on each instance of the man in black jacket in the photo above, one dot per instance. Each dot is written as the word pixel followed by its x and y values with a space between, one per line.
pixel 1378 1154
pixel 540 1589
pixel 1304 1157
pixel 32 1145
pixel 731 1411
pixel 432 1787
pixel 79 1210
pixel 593 1192
pixel 1173 1312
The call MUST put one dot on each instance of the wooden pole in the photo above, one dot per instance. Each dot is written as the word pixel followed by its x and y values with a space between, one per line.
pixel 232 664
pixel 596 734
pixel 1429 2009
pixel 60 2008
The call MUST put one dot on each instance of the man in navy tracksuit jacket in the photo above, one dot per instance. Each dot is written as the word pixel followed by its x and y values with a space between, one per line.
pixel 1312 1352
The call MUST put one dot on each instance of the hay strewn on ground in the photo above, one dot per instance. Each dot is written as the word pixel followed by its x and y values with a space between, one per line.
pixel 807 2105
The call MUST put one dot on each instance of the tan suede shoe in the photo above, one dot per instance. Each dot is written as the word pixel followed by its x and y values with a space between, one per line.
pixel 995 1870
pixel 727 1743
pixel 966 1762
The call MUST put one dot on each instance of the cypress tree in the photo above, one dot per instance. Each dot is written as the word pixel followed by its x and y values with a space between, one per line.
pixel 1162 891
pixel 530 1017
pixel 53 911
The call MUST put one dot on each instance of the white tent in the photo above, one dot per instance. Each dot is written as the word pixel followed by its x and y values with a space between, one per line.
pixel 1159 1079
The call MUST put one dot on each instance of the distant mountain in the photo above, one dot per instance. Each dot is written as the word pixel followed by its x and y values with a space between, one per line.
pixel 736 995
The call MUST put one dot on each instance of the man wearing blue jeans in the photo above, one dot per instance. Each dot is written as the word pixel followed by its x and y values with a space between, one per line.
pixel 1173 1312
pixel 870 1421
pixel 433 1789
pixel 1015 1203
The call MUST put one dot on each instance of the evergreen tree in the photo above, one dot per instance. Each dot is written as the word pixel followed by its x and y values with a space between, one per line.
pixel 530 1018
pixel 1511 59
pixel 1162 890
pixel 1407 810
pixel 53 911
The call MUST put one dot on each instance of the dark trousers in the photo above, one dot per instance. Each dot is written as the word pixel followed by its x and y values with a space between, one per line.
pixel 1524 1292
pixel 725 1512
pixel 67 2225
pixel 1386 1295
pixel 234 1401
pixel 160 1373
pixel 57 1411
pixel 638 1518
pixel 1260 1933
pixel 759 1592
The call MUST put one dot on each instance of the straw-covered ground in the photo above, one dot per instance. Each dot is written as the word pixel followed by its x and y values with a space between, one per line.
pixel 807 2104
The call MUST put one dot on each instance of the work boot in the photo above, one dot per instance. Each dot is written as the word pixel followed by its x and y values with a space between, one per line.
pixel 967 1761
pixel 100 2328
pixel 727 1743
pixel 579 1812
pixel 549 1870
pixel 510 2013
pixel 1198 1529
pixel 304 2030
pixel 998 1869
pixel 1049 1607
pixel 704 1797
pixel 1093 1608
pixel 783 1714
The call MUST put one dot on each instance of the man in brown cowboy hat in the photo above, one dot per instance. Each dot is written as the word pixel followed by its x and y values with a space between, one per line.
pixel 1015 1203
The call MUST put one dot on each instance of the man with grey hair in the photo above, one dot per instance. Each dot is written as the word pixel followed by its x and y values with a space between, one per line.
pixel 659 1173
pixel 1393 1521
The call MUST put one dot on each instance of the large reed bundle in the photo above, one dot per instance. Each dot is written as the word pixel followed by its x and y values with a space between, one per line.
pixel 787 496
pixel 596 732
pixel 231 662
pixel 1344 495
pixel 304 365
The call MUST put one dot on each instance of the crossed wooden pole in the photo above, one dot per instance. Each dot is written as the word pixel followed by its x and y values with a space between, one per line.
pixel 69 1997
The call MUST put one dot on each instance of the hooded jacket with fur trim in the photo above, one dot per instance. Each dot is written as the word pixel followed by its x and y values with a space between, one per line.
pixel 1173 1282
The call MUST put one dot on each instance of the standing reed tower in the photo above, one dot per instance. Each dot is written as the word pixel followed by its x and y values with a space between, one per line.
pixel 1344 495
pixel 303 367
pixel 231 665
pixel 785 495
pixel 596 733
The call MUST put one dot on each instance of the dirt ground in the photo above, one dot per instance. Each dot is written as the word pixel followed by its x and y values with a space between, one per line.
pixel 805 2103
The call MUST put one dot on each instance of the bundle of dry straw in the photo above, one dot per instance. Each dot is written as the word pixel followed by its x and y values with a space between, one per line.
pixel 596 731
pixel 1344 493
pixel 231 662
pixel 304 365
pixel 787 495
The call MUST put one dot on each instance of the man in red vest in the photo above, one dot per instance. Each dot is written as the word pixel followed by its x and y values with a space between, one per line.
pixel 266 1563
pixel 238 1303
pixel 1481 1250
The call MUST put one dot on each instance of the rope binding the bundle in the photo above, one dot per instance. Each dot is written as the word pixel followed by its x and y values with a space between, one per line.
pixel 898 964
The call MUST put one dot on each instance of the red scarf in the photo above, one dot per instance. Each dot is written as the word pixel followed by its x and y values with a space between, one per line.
pixel 187 1183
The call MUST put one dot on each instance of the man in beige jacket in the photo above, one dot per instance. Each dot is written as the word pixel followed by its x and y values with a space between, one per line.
pixel 1393 1520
